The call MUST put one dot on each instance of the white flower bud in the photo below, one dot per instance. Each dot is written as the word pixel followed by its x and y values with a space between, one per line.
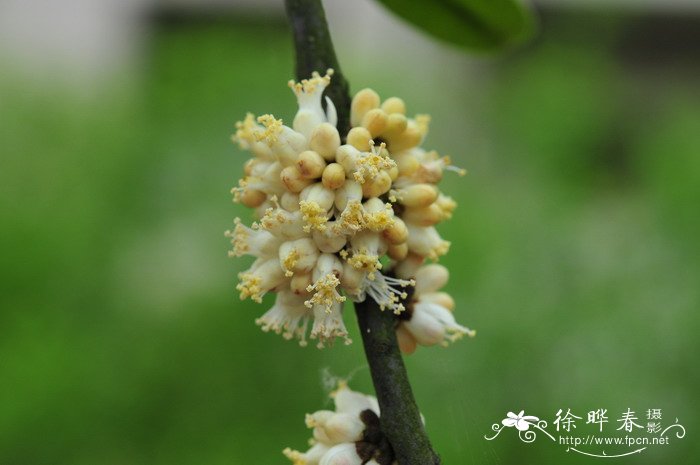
pixel 325 140
pixel 263 276
pixel 442 299
pixel 289 201
pixel 394 105
pixel 426 242
pixel 426 329
pixel 430 278
pixel 363 101
pixel 350 192
pixel 375 121
pixel 298 255
pixel 353 402
pixel 342 454
pixel 433 324
pixel 333 176
pixel 319 194
pixel 310 164
pixel 359 138
pixel 328 241
pixel 344 427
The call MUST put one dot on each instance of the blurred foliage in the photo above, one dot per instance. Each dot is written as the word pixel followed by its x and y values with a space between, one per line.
pixel 482 25
pixel 575 255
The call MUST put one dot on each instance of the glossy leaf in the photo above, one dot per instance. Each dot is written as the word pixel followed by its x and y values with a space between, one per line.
pixel 485 25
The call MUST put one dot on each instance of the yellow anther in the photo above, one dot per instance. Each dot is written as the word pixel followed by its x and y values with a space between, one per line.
pixel 380 220
pixel 249 286
pixel 325 292
pixel 273 127
pixel 315 216
pixel 309 86
pixel 290 261
pixel 366 262
pixel 246 130
pixel 370 163
pixel 352 219
pixel 239 239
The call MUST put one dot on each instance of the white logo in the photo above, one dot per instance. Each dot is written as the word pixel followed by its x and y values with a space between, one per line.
pixel 624 439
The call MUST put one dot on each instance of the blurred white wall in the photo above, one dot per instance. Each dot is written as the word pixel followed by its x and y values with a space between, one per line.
pixel 70 37
pixel 88 39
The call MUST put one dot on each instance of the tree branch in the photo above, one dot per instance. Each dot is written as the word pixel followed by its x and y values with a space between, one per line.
pixel 315 52
pixel 400 417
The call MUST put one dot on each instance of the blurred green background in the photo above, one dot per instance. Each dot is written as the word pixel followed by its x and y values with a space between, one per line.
pixel 575 250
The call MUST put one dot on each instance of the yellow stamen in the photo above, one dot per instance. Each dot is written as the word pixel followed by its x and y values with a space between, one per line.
pixel 325 292
pixel 289 261
pixel 239 239
pixel 246 131
pixel 369 164
pixel 364 261
pixel 314 215
pixel 352 219
pixel 249 286
pixel 295 456
pixel 309 86
pixel 381 220
pixel 273 128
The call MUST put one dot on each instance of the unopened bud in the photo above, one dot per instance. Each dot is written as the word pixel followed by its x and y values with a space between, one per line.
pixel 293 180
pixel 406 163
pixel 394 105
pixel 430 278
pixel 443 299
pixel 252 198
pixel 418 195
pixel 325 140
pixel 393 173
pixel 319 194
pixel 397 252
pixel 289 201
pixel 377 186
pixel 299 283
pixel 333 176
pixel 411 137
pixel 395 125
pixel 397 233
pixel 364 101
pixel 375 121
pixel 359 138
pixel 351 191
pixel 424 216
pixel 310 164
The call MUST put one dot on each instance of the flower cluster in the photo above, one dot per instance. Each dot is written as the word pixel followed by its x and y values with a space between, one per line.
pixel 334 213
pixel 350 435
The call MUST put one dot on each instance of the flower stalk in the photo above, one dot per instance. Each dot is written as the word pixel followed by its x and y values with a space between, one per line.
pixel 400 418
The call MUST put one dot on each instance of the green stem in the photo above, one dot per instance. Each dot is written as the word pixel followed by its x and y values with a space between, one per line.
pixel 400 417
pixel 315 52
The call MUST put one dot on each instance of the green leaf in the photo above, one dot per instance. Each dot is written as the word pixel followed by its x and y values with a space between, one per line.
pixel 485 25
